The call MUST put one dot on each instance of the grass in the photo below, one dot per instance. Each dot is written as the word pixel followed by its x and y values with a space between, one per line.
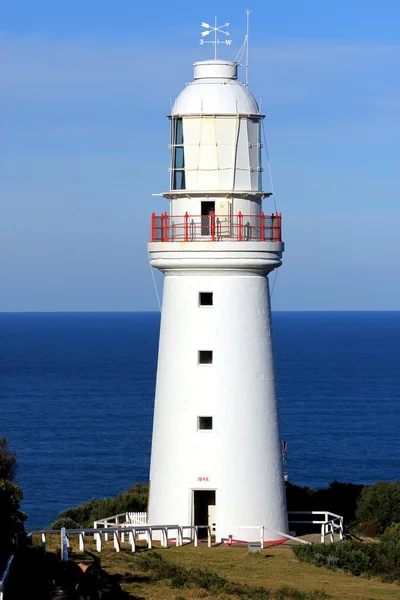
pixel 188 573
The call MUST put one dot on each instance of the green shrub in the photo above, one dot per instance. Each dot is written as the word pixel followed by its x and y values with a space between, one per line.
pixel 391 534
pixel 133 500
pixel 379 503
pixel 64 522
pixel 382 559
pixel 11 517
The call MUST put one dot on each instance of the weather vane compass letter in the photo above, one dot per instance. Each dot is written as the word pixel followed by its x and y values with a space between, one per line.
pixel 209 29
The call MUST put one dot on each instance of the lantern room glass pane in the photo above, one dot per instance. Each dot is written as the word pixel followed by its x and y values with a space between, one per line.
pixel 179 182
pixel 178 132
pixel 179 162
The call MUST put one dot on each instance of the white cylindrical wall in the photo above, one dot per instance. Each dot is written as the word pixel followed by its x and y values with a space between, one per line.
pixel 241 457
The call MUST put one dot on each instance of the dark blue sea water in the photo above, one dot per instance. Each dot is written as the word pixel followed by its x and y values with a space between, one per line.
pixel 77 391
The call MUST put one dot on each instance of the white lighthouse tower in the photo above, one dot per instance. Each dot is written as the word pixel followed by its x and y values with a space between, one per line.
pixel 216 450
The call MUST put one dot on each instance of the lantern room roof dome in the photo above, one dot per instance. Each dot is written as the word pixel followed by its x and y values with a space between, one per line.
pixel 215 91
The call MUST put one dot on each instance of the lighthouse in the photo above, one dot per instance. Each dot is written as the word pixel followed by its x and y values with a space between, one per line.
pixel 216 448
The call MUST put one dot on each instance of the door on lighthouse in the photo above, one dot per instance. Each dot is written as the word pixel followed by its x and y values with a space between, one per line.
pixel 206 209
pixel 204 511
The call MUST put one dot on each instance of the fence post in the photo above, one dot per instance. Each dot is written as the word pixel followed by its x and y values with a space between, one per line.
pixel 196 537
pixel 106 534
pixel 262 227
pixel 186 227
pixel 262 536
pixel 240 226
pixel 164 538
pixel 164 227
pixel 132 536
pixel 209 536
pixel 44 542
pixel 213 226
pixel 178 537
pixel 116 542
pixel 341 528
pixel 82 541
pixel 98 541
pixel 64 544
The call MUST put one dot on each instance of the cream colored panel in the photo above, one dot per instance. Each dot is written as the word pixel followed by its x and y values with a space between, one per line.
pixel 208 160
pixel 226 179
pixel 242 152
pixel 253 129
pixel 191 131
pixel 254 180
pixel 208 147
pixel 191 140
pixel 208 180
pixel 191 178
pixel 226 129
pixel 226 141
pixel 191 157
pixel 242 180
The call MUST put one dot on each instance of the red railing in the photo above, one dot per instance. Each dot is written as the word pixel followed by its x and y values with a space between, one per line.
pixel 212 227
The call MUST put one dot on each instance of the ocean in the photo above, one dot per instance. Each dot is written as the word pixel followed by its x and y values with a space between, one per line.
pixel 77 393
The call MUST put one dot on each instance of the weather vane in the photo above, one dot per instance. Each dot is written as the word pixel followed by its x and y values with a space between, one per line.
pixel 209 29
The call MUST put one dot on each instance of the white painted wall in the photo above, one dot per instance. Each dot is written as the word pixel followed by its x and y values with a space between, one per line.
pixel 242 455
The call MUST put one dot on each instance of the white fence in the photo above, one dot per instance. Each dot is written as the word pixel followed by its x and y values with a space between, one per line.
pixel 133 533
pixel 188 533
pixel 122 520
pixel 130 518
pixel 332 523
pixel 242 534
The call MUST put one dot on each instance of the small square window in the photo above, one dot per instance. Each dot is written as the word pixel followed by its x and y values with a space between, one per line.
pixel 206 298
pixel 205 357
pixel 204 422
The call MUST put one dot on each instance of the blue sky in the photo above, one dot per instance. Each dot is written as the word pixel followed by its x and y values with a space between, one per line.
pixel 85 88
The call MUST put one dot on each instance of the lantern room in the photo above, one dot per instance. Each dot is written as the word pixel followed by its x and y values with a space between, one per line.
pixel 215 143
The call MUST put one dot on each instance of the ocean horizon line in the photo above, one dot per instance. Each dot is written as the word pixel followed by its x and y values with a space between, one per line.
pixel 127 312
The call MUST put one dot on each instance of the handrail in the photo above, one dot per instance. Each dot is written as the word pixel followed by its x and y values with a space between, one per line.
pixel 312 512
pixel 328 526
pixel 216 227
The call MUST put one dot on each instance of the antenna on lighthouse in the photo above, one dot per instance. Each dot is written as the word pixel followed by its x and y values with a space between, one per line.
pixel 217 28
pixel 244 49
pixel 248 11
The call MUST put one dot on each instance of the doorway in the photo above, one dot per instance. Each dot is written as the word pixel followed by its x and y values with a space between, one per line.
pixel 204 510
pixel 206 209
